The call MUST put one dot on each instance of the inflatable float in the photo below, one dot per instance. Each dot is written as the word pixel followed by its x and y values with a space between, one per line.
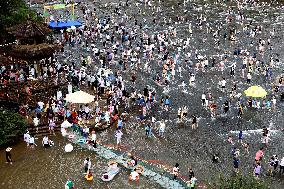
pixel 111 172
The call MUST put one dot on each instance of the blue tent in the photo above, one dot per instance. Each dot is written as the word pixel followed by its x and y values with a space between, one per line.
pixel 63 25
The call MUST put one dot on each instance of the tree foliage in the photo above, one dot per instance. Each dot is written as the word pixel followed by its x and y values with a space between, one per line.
pixel 13 12
pixel 239 181
pixel 12 126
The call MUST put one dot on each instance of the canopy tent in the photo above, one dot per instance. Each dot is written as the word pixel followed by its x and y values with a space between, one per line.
pixel 255 92
pixel 63 25
pixel 80 97
pixel 66 124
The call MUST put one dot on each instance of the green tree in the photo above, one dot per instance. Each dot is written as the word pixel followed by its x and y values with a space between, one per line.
pixel 13 12
pixel 12 126
pixel 240 181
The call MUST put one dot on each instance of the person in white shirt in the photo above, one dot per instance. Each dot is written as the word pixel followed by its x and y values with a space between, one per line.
pixel 36 123
pixel 94 139
pixel 118 135
pixel 69 88
pixel 27 138
pixel 134 175
pixel 223 85
pixel 40 104
pixel 273 103
pixel 87 164
pixel 162 128
pixel 203 98
pixel 249 78
pixel 32 142
pixel 45 142
pixel 282 166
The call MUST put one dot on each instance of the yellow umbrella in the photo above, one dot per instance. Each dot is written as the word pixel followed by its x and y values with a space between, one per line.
pixel 256 92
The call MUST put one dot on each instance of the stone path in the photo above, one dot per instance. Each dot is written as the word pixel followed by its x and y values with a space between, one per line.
pixel 163 181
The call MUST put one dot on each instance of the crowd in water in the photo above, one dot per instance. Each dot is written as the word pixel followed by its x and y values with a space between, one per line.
pixel 178 64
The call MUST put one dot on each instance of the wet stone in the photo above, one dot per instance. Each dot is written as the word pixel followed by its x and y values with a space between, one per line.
pixel 146 173
pixel 157 177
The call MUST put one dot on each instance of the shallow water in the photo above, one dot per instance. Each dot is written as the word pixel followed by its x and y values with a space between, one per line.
pixel 50 168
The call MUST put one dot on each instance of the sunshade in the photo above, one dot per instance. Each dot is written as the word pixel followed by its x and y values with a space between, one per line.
pixel 256 92
pixel 66 124
pixel 80 97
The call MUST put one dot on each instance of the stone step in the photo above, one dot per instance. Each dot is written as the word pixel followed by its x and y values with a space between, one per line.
pixel 108 154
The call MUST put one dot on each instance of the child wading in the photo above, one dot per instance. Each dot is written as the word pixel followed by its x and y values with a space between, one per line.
pixel 8 155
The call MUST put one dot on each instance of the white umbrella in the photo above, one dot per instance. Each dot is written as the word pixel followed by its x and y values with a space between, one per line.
pixel 66 124
pixel 80 97
pixel 68 148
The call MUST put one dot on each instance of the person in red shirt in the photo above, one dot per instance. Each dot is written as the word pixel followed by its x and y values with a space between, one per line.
pixel 259 154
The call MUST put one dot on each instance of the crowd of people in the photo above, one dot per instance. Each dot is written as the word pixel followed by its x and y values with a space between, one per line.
pixel 148 67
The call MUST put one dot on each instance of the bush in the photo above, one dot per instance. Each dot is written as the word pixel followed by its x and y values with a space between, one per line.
pixel 12 127
pixel 239 182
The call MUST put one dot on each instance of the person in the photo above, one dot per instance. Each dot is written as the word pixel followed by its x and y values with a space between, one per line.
pixel 257 170
pixel 176 170
pixel 167 103
pixel 148 130
pixel 69 184
pixel 118 135
pixel 194 122
pixel 45 142
pixel 179 114
pixel 51 127
pixel 215 158
pixel 241 137
pixel 276 162
pixel 226 107
pixel 32 142
pixel 36 123
pixel 87 165
pixel 240 110
pixel 132 162
pixel 246 147
pixel 203 99
pixel 236 164
pixel 134 175
pixel 190 173
pixel 230 140
pixel 265 140
pixel 162 128
pixel 271 165
pixel 119 123
pixel 8 155
pixel 281 166
pixel 193 181
pixel 94 139
pixel 27 138
pixel 259 154
pixel 223 84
